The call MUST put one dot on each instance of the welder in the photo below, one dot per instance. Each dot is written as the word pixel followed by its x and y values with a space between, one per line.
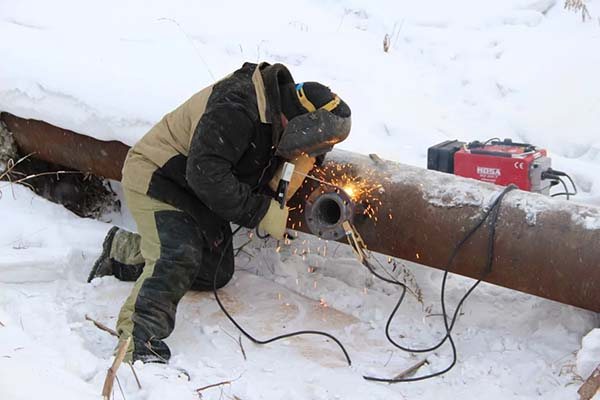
pixel 216 159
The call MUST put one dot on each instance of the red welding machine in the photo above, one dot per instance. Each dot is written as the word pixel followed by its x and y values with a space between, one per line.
pixel 499 161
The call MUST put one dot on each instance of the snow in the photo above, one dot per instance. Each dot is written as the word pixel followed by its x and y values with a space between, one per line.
pixel 464 70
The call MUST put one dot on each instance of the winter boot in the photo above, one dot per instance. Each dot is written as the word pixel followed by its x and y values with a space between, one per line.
pixel 121 256
pixel 103 265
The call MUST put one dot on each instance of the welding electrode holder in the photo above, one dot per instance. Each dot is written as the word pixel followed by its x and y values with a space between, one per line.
pixel 284 183
pixel 326 210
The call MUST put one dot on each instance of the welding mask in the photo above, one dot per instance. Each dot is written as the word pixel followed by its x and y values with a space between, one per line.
pixel 314 133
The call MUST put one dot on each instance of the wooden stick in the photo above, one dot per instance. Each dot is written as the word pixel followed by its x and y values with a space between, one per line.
pixel 105 328
pixel 591 386
pixel 112 371
pixel 199 390
pixel 101 326
pixel 411 371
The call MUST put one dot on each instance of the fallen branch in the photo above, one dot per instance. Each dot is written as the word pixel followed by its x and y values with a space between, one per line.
pixel 212 386
pixel 1 324
pixel 411 371
pixel 591 386
pixel 112 371
pixel 101 326
pixel 105 328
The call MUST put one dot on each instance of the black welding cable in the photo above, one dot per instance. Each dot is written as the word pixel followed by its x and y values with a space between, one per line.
pixel 494 212
pixel 557 175
pixel 572 184
pixel 449 327
pixel 273 339
pixel 491 139
pixel 566 192
pixel 419 378
pixel 372 270
pixel 455 251
pixel 261 236
pixel 561 173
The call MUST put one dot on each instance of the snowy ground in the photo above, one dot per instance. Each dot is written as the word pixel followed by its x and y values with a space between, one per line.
pixel 462 69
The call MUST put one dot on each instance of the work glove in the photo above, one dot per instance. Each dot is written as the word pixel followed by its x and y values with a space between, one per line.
pixel 275 220
pixel 302 166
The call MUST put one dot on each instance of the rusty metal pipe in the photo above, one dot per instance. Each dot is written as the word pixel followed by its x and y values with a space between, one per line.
pixel 67 148
pixel 545 247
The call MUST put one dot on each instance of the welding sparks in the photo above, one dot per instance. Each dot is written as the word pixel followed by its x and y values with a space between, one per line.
pixel 351 191
pixel 363 188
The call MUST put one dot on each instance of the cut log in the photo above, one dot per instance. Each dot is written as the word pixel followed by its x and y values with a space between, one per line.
pixel 591 386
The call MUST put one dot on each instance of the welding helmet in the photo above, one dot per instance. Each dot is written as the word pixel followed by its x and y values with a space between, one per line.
pixel 320 120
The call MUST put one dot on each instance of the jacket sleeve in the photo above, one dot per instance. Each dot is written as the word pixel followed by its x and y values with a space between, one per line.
pixel 220 139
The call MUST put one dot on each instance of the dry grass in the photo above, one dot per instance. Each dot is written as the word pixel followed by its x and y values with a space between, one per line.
pixel 386 43
pixel 13 176
pixel 578 6
pixel 9 173
pixel 390 39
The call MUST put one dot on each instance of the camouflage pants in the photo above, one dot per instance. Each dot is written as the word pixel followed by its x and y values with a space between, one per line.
pixel 167 258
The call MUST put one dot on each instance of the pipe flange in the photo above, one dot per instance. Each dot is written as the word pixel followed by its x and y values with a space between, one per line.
pixel 326 209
